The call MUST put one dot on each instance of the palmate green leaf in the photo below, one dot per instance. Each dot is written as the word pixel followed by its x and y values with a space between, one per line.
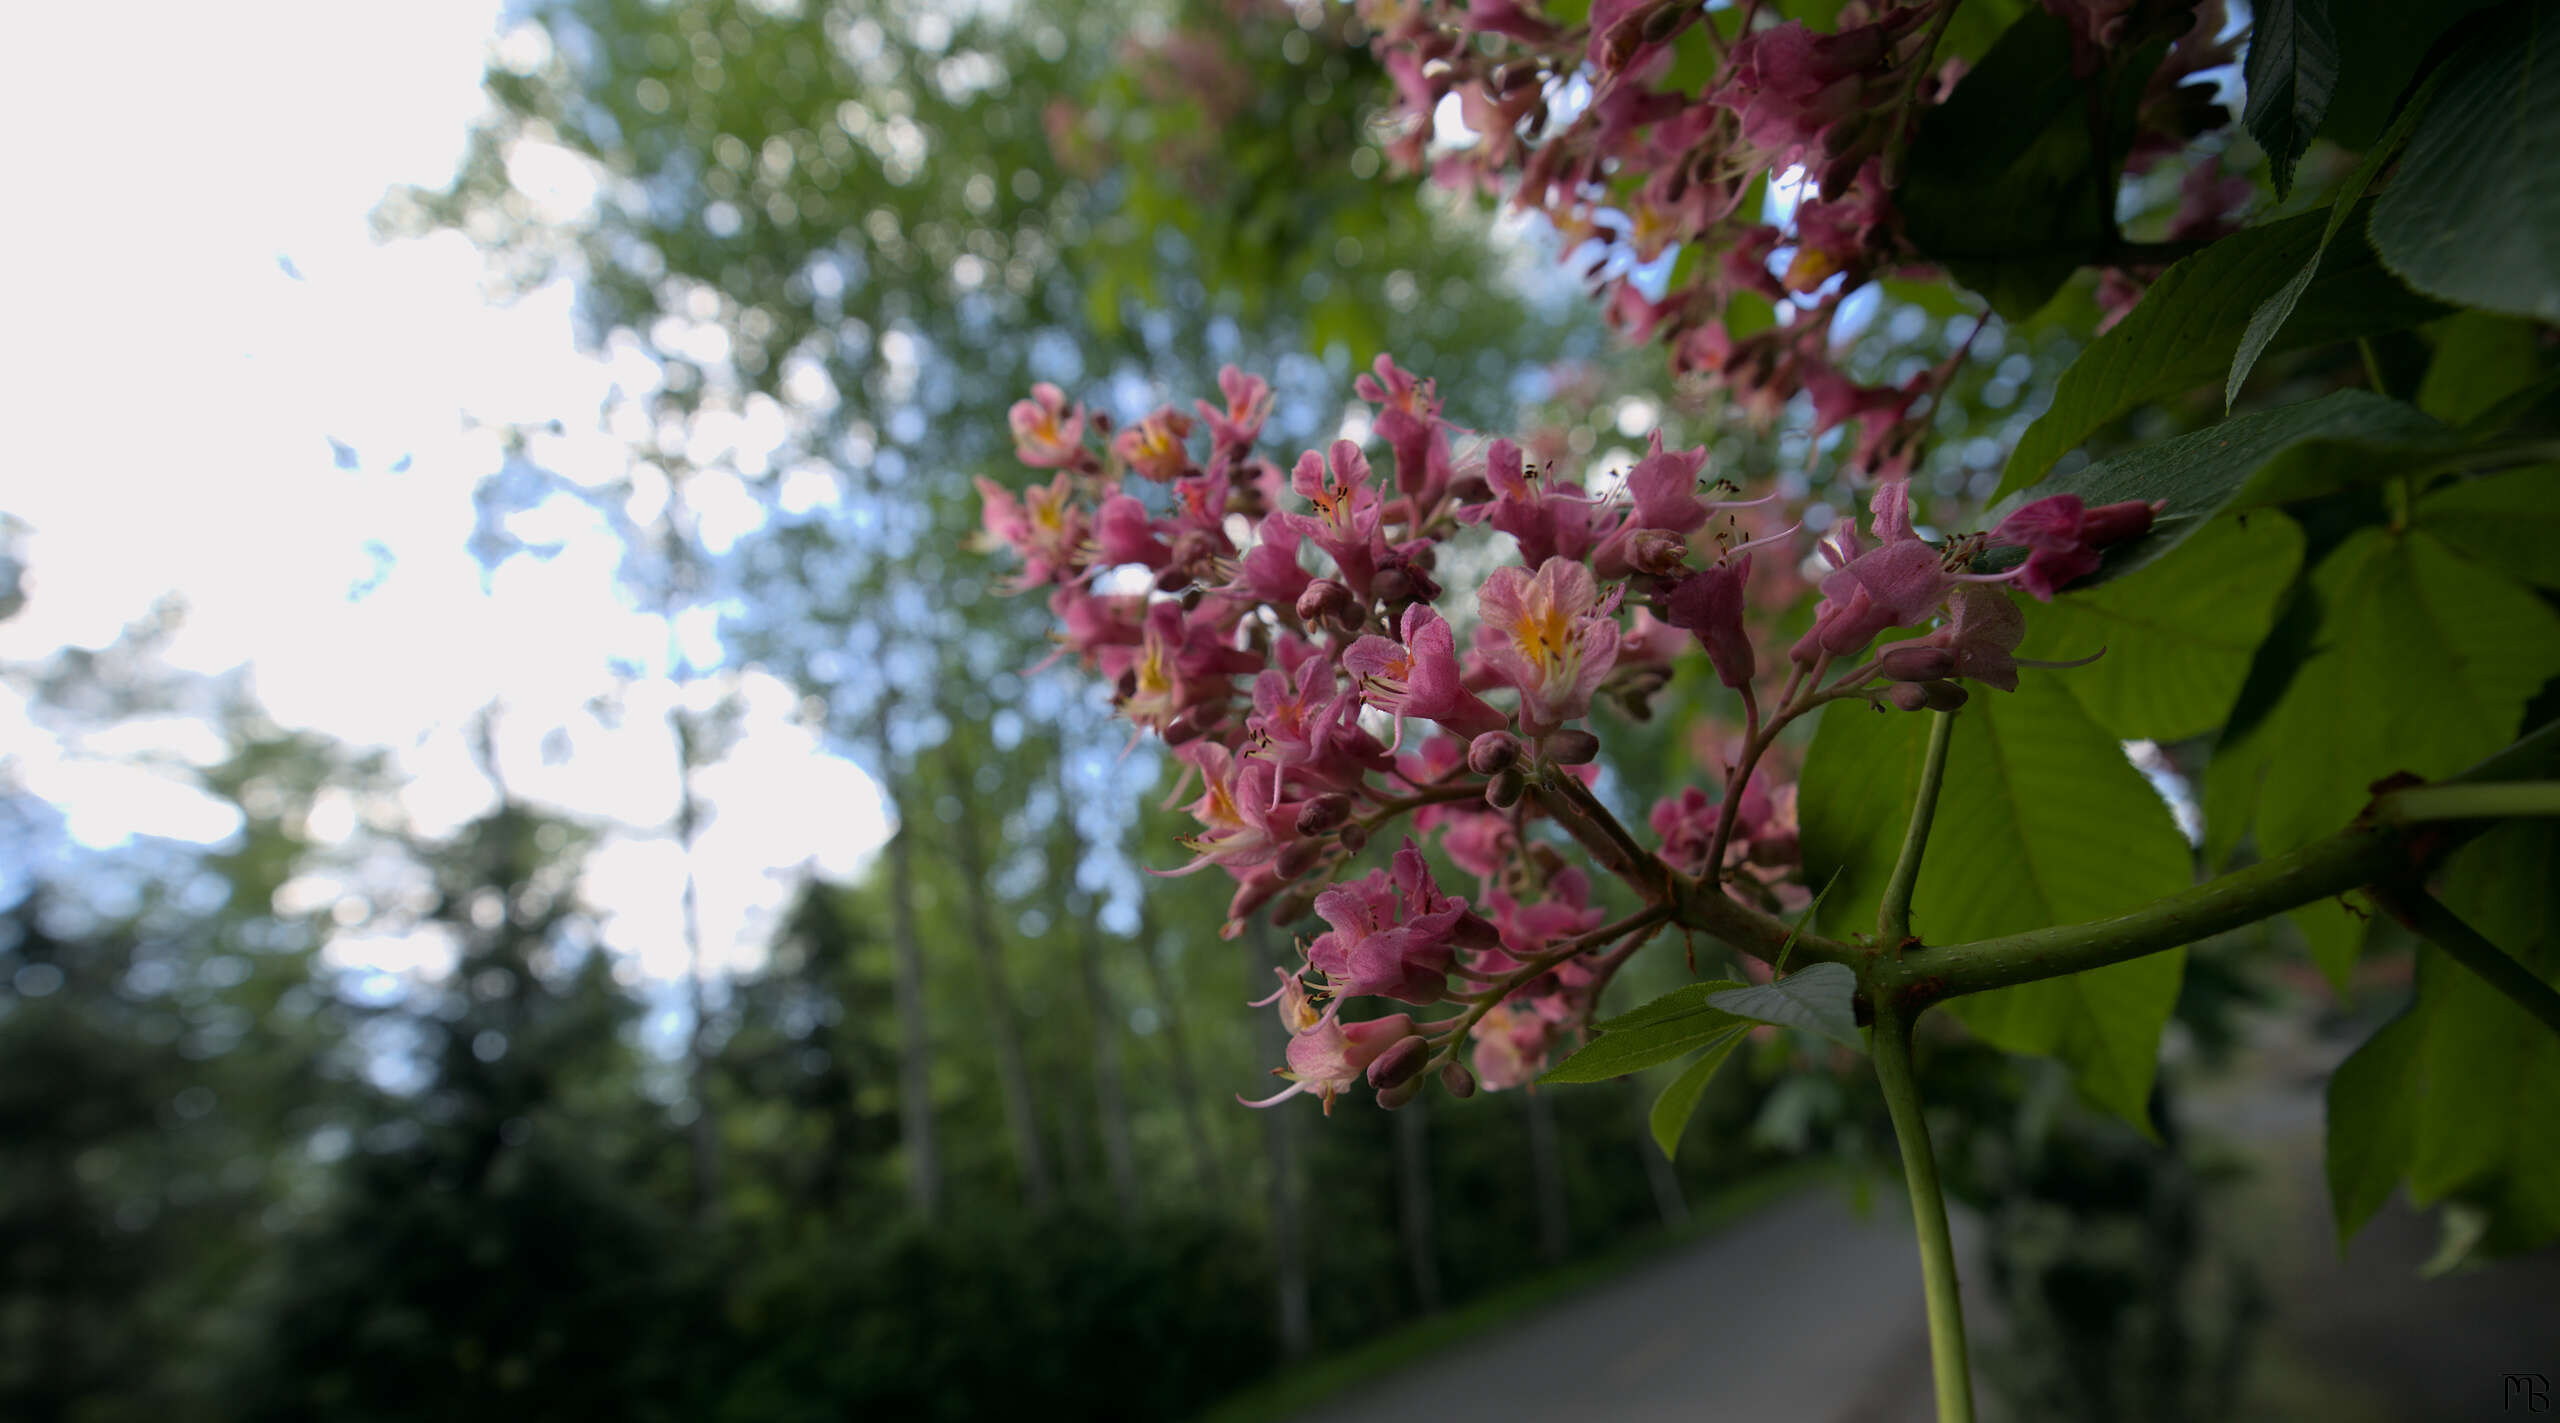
pixel 2057 827
pixel 1675 1023
pixel 2041 820
pixel 2509 521
pixel 2246 462
pixel 2380 49
pixel 2424 662
pixel 2178 635
pixel 2275 311
pixel 2498 1150
pixel 2183 334
pixel 2455 1094
pixel 2373 1123
pixel 2474 216
pixel 2481 360
pixel 2291 72
pixel 1679 1101
pixel 2003 186
pixel 1816 998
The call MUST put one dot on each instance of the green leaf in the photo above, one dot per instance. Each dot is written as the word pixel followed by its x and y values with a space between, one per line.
pixel 2509 521
pixel 2373 1123
pixel 2380 50
pixel 2480 361
pixel 2271 315
pixel 2474 216
pixel 2200 475
pixel 2193 318
pixel 2041 821
pixel 1679 1101
pixel 2003 186
pixel 2492 1070
pixel 1816 998
pixel 2432 657
pixel 2179 635
pixel 1860 777
pixel 1675 1023
pixel 2292 71
pixel 2052 825
pixel 2455 1094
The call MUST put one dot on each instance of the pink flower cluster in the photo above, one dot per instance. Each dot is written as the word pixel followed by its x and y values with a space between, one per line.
pixel 1594 127
pixel 1288 637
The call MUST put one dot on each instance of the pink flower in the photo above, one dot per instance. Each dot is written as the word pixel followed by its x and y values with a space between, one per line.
pixel 2063 536
pixel 1548 523
pixel 1044 526
pixel 1420 676
pixel 1046 433
pixel 1124 534
pixel 1511 1046
pixel 1395 942
pixel 1248 406
pixel 1555 640
pixel 1899 583
pixel 1153 446
pixel 1243 821
pixel 1710 604
pixel 1269 571
pixel 1347 510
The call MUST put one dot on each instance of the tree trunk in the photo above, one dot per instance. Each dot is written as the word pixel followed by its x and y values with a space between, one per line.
pixel 703 1133
pixel 1413 1204
pixel 1004 1024
pixel 1119 1150
pixel 1288 1238
pixel 1186 1083
pixel 1546 1168
pixel 1110 1101
pixel 915 1026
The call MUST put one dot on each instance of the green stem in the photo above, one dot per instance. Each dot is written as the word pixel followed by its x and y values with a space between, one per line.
pixel 1928 1212
pixel 1893 916
pixel 2443 928
pixel 2377 848
pixel 2504 800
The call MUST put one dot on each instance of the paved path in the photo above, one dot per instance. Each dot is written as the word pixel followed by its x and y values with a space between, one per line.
pixel 1722 1328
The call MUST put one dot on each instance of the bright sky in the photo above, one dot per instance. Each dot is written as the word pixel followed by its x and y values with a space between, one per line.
pixel 202 311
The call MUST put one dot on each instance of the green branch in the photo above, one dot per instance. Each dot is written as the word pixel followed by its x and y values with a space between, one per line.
pixel 2378 848
pixel 1893 916
pixel 1928 1213
pixel 2504 800
pixel 2432 921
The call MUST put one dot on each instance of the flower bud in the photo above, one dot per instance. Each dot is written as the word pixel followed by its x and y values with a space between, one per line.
pixel 1392 585
pixel 1181 729
pixel 1570 747
pixel 1458 1080
pixel 1292 905
pixel 1401 1063
pixel 1470 489
pixel 1667 21
pixel 1916 662
pixel 1657 551
pixel 1353 838
pixel 1493 752
pixel 1907 696
pixel 1300 857
pixel 1172 580
pixel 1943 696
pixel 1325 601
pixel 1324 814
pixel 1506 788
pixel 1401 1095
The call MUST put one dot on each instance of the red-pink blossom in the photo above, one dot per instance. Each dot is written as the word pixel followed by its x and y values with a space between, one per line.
pixel 1554 638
